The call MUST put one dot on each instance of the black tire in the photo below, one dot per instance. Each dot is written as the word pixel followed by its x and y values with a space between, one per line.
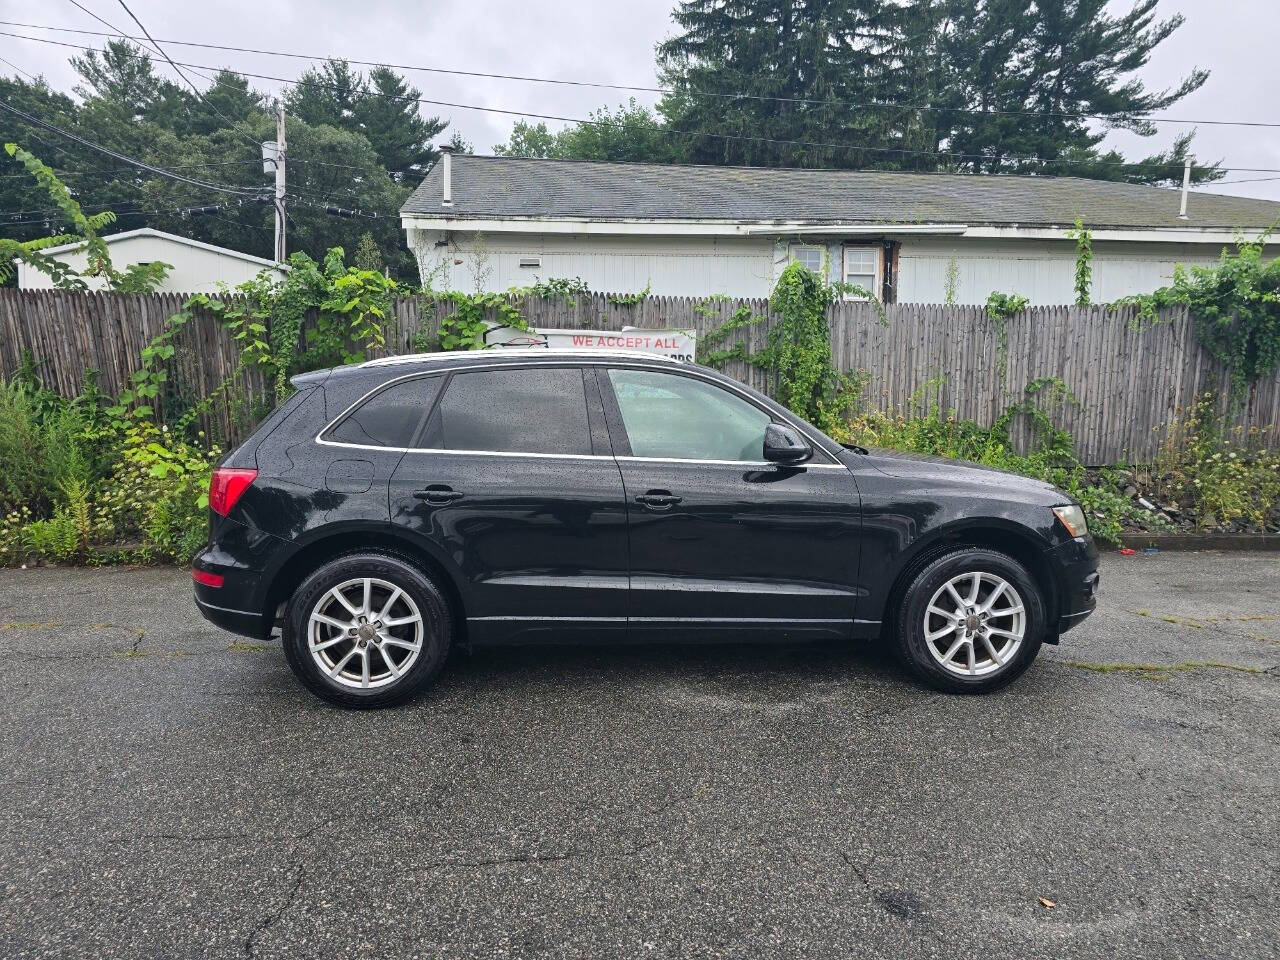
pixel 435 638
pixel 910 618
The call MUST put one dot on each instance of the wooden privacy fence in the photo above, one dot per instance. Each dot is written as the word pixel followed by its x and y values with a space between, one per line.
pixel 1129 382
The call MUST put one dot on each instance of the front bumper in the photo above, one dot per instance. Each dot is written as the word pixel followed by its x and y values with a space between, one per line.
pixel 1075 563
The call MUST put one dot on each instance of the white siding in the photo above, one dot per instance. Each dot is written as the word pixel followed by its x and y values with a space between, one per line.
pixel 677 266
pixel 1043 270
pixel 195 269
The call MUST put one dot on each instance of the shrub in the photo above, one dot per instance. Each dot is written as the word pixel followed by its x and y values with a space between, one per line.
pixel 1051 457
pixel 1222 479
pixel 72 479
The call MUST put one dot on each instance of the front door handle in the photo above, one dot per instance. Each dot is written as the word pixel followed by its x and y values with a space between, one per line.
pixel 438 493
pixel 658 499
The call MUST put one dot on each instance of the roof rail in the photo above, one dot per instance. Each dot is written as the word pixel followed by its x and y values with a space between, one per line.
pixel 538 352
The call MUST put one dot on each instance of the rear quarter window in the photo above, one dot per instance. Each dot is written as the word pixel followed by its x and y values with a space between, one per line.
pixel 392 417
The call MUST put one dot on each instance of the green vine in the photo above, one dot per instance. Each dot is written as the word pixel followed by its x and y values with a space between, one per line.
pixel 265 321
pixel 1048 437
pixel 555 288
pixel 466 327
pixel 136 278
pixel 630 299
pixel 798 349
pixel 1084 262
pixel 742 317
pixel 1000 307
pixel 1234 308
pixel 862 293
pixel 951 284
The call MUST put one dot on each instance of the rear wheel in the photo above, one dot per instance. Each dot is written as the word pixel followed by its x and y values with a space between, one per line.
pixel 971 621
pixel 367 630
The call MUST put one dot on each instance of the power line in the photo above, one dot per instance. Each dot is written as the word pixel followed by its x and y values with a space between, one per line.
pixel 640 88
pixel 115 31
pixel 132 161
pixel 194 89
pixel 1222 183
pixel 132 212
pixel 943 155
pixel 31 77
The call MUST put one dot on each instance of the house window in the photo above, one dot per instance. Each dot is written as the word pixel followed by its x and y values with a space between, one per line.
pixel 809 255
pixel 862 268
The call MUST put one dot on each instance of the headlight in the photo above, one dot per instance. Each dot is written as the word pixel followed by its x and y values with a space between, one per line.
pixel 1072 518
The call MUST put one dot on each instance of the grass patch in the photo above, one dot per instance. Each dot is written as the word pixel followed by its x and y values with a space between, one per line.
pixel 1159 671
pixel 247 647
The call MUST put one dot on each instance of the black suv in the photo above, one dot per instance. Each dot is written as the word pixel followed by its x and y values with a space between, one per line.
pixel 395 508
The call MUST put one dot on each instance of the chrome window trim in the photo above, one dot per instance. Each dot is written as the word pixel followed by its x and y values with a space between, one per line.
pixel 574 361
pixel 749 464
pixel 745 464
pixel 460 453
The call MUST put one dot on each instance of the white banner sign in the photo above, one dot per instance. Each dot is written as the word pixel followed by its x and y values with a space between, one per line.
pixel 669 343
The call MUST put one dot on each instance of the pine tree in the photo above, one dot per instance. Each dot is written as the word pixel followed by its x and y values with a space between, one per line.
pixel 331 95
pixel 977 85
pixel 1035 71
pixel 387 114
pixel 778 69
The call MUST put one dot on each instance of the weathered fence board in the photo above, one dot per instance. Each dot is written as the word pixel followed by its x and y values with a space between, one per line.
pixel 1129 382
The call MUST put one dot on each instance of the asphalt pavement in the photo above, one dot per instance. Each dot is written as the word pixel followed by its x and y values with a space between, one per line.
pixel 171 791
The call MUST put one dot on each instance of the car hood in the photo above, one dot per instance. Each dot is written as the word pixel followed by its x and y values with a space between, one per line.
pixel 940 470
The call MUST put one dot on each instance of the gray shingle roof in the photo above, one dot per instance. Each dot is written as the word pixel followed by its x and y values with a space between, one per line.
pixel 498 187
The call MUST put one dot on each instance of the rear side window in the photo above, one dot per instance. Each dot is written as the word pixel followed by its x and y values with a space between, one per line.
pixel 530 410
pixel 390 418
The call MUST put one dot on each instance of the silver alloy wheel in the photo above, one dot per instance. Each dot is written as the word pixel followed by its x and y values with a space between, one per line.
pixel 365 633
pixel 975 624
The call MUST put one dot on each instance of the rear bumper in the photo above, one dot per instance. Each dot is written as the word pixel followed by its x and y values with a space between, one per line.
pixel 244 622
pixel 239 556
pixel 1076 563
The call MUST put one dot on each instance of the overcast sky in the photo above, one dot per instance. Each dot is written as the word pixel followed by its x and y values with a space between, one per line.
pixel 613 42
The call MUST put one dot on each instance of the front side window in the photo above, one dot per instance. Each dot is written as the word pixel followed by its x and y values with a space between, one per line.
pixel 671 417
pixel 391 417
pixel 520 410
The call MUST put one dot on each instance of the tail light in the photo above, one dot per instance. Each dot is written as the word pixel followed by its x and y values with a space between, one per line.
pixel 207 578
pixel 226 486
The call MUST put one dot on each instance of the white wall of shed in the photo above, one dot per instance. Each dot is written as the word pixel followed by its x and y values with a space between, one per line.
pixel 195 270
pixel 673 266
pixel 1043 270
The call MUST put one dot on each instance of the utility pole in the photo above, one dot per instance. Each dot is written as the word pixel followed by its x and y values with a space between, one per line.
pixel 279 199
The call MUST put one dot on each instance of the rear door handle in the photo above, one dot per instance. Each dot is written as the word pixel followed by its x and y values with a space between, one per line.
pixel 658 499
pixel 438 493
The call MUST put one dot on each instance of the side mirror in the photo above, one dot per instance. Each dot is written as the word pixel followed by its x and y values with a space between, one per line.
pixel 783 444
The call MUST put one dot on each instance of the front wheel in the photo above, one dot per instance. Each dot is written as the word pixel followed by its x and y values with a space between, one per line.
pixel 366 630
pixel 971 621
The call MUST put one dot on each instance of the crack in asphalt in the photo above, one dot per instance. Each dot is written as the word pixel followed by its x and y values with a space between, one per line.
pixel 268 837
pixel 859 872
pixel 271 919
pixel 636 847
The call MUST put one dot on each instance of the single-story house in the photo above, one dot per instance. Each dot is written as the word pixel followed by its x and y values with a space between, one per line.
pixel 196 267
pixel 491 223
